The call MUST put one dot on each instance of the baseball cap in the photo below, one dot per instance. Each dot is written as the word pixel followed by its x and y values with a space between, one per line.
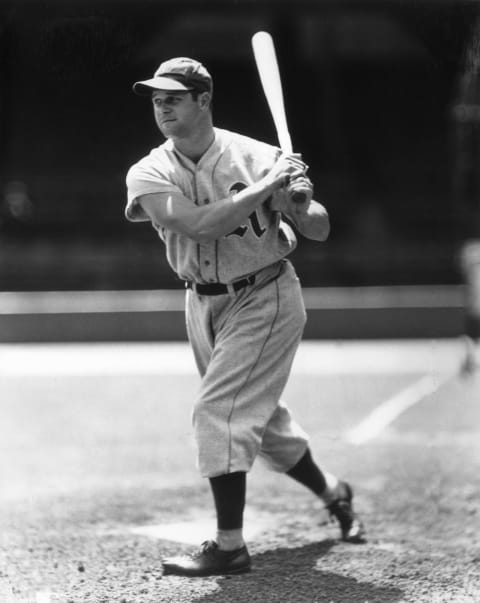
pixel 176 74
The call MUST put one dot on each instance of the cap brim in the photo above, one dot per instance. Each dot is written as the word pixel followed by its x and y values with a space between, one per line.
pixel 159 83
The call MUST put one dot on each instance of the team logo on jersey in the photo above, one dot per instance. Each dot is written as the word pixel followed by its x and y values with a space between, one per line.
pixel 253 221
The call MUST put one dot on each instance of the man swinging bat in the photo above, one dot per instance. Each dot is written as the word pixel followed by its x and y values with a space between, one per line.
pixel 217 200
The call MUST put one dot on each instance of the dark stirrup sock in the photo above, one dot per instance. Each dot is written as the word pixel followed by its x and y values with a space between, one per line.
pixel 308 473
pixel 229 493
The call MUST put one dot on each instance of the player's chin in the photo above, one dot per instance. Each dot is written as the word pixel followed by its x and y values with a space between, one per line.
pixel 167 128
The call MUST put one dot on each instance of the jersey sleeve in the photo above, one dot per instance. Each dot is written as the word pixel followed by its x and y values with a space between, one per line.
pixel 145 180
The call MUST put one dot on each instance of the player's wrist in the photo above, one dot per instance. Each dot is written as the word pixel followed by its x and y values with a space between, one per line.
pixel 273 182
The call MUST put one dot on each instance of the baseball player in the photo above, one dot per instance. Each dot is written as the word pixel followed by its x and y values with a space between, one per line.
pixel 222 205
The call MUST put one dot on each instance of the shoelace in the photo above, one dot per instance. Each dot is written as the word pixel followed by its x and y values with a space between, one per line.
pixel 207 548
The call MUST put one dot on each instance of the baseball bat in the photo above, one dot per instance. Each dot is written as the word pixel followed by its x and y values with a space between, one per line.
pixel 268 70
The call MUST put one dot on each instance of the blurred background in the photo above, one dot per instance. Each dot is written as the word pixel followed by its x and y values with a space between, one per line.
pixel 382 98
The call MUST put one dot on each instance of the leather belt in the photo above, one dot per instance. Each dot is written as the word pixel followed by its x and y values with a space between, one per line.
pixel 219 288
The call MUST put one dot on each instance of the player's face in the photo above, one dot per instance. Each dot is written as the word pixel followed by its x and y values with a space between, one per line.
pixel 177 114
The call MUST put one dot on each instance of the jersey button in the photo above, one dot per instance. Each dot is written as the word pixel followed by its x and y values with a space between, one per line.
pixel 206 202
pixel 207 262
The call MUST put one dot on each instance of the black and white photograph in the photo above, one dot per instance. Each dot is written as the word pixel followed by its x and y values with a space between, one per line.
pixel 239 301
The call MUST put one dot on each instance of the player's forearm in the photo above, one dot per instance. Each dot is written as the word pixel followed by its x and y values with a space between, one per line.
pixel 207 222
pixel 218 219
pixel 223 216
pixel 312 222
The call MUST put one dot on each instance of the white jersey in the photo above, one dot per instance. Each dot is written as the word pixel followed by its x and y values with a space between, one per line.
pixel 230 164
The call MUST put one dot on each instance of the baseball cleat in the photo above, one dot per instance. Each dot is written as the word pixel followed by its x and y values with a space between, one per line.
pixel 208 561
pixel 351 526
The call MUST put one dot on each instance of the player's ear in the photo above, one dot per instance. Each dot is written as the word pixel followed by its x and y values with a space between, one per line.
pixel 205 98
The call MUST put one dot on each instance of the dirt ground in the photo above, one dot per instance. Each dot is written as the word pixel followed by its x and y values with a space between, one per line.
pixel 90 464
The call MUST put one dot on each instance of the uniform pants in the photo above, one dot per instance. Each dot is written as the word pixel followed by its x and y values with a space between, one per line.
pixel 244 343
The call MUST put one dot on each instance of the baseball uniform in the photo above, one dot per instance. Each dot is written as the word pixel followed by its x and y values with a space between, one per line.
pixel 244 340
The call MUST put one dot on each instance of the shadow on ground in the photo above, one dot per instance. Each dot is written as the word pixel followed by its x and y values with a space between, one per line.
pixel 291 575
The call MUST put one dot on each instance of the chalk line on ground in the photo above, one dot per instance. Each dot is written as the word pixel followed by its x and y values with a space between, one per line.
pixel 384 414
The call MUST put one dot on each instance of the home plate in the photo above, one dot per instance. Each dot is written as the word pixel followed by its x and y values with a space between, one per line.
pixel 201 528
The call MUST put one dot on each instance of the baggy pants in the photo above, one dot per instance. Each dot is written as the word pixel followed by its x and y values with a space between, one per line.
pixel 244 343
